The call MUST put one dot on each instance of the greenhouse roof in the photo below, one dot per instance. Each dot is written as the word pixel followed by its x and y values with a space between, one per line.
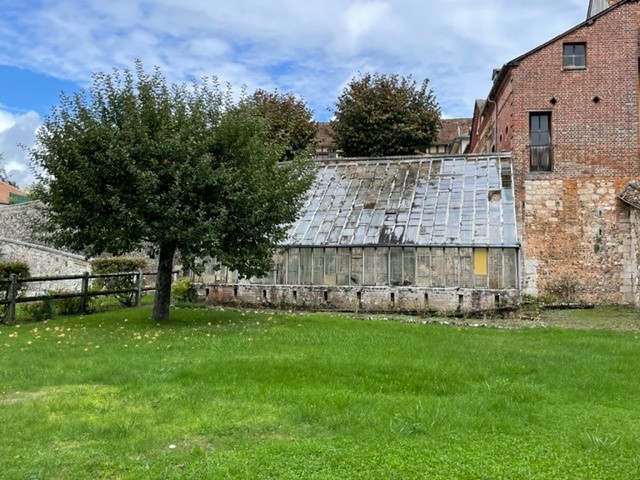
pixel 461 201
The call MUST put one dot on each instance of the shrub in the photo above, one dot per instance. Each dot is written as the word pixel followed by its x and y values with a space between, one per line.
pixel 39 311
pixel 69 305
pixel 118 265
pixel 8 268
pixel 183 290
pixel 564 287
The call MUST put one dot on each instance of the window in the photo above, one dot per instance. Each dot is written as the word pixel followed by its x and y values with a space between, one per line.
pixel 540 133
pixel 574 56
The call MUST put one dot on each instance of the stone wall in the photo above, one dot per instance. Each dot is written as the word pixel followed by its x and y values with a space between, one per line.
pixel 372 299
pixel 45 262
pixel 577 231
pixel 19 242
pixel 16 221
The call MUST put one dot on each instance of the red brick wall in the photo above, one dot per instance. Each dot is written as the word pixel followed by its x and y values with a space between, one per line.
pixel 6 189
pixel 570 220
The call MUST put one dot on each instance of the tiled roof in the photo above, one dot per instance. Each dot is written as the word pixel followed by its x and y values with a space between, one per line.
pixel 450 128
pixel 423 201
pixel 630 194
pixel 324 135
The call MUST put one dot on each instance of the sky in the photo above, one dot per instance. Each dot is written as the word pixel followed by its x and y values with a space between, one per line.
pixel 311 48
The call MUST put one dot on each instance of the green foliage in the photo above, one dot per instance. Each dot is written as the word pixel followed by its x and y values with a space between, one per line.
pixel 8 268
pixel 40 310
pixel 564 287
pixel 378 115
pixel 15 198
pixel 118 265
pixel 183 290
pixel 68 305
pixel 289 119
pixel 136 163
pixel 11 267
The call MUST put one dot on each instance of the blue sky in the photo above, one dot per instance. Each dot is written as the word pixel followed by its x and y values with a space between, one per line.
pixel 310 48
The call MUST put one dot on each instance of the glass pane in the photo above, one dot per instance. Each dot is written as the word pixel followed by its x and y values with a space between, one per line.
pixel 495 268
pixel 318 266
pixel 437 267
pixel 369 257
pixel 535 139
pixel 409 267
pixel 544 123
pixel 466 267
pixel 452 267
pixel 509 268
pixel 342 262
pixel 424 267
pixel 356 266
pixel 330 266
pixel 382 266
pixel 294 266
pixel 535 123
pixel 305 266
pixel 395 266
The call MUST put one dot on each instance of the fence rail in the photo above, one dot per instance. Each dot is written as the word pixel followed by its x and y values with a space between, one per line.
pixel 12 298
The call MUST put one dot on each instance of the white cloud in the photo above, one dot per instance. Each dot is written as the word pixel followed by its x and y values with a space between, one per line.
pixel 362 19
pixel 311 48
pixel 7 120
pixel 15 140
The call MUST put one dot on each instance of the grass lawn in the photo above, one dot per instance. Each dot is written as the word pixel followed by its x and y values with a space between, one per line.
pixel 224 394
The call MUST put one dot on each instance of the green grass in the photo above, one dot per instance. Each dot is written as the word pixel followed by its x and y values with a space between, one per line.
pixel 226 394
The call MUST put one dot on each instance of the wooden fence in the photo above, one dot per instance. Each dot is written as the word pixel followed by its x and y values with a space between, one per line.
pixel 13 298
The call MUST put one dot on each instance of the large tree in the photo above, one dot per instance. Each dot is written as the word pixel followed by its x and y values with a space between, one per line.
pixel 378 115
pixel 137 163
pixel 290 120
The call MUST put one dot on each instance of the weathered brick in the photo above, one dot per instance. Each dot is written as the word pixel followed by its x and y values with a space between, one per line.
pixel 594 131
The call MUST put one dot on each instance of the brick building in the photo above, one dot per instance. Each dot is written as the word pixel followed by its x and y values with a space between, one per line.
pixel 568 111
pixel 453 136
pixel 9 193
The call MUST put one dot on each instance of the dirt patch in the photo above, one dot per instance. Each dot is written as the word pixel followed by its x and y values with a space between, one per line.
pixel 613 318
pixel 18 397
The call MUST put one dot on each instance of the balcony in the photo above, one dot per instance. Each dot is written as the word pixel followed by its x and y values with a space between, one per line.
pixel 541 158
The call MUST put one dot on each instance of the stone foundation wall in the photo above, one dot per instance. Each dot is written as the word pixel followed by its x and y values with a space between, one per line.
pixel 373 299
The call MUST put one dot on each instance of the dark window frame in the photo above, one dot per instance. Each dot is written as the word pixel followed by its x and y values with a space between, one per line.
pixel 540 148
pixel 574 56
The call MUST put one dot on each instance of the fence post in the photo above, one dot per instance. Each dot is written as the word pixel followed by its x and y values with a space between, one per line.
pixel 13 293
pixel 138 293
pixel 85 293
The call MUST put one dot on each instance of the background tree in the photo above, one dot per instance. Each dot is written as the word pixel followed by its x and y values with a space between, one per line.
pixel 378 115
pixel 135 163
pixel 290 120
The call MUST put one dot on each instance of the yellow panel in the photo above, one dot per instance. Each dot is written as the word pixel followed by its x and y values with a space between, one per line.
pixel 480 261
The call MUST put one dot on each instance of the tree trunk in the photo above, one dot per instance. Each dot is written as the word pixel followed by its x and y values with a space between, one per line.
pixel 163 283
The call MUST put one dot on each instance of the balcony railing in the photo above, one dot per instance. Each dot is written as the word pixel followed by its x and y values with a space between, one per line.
pixel 541 158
